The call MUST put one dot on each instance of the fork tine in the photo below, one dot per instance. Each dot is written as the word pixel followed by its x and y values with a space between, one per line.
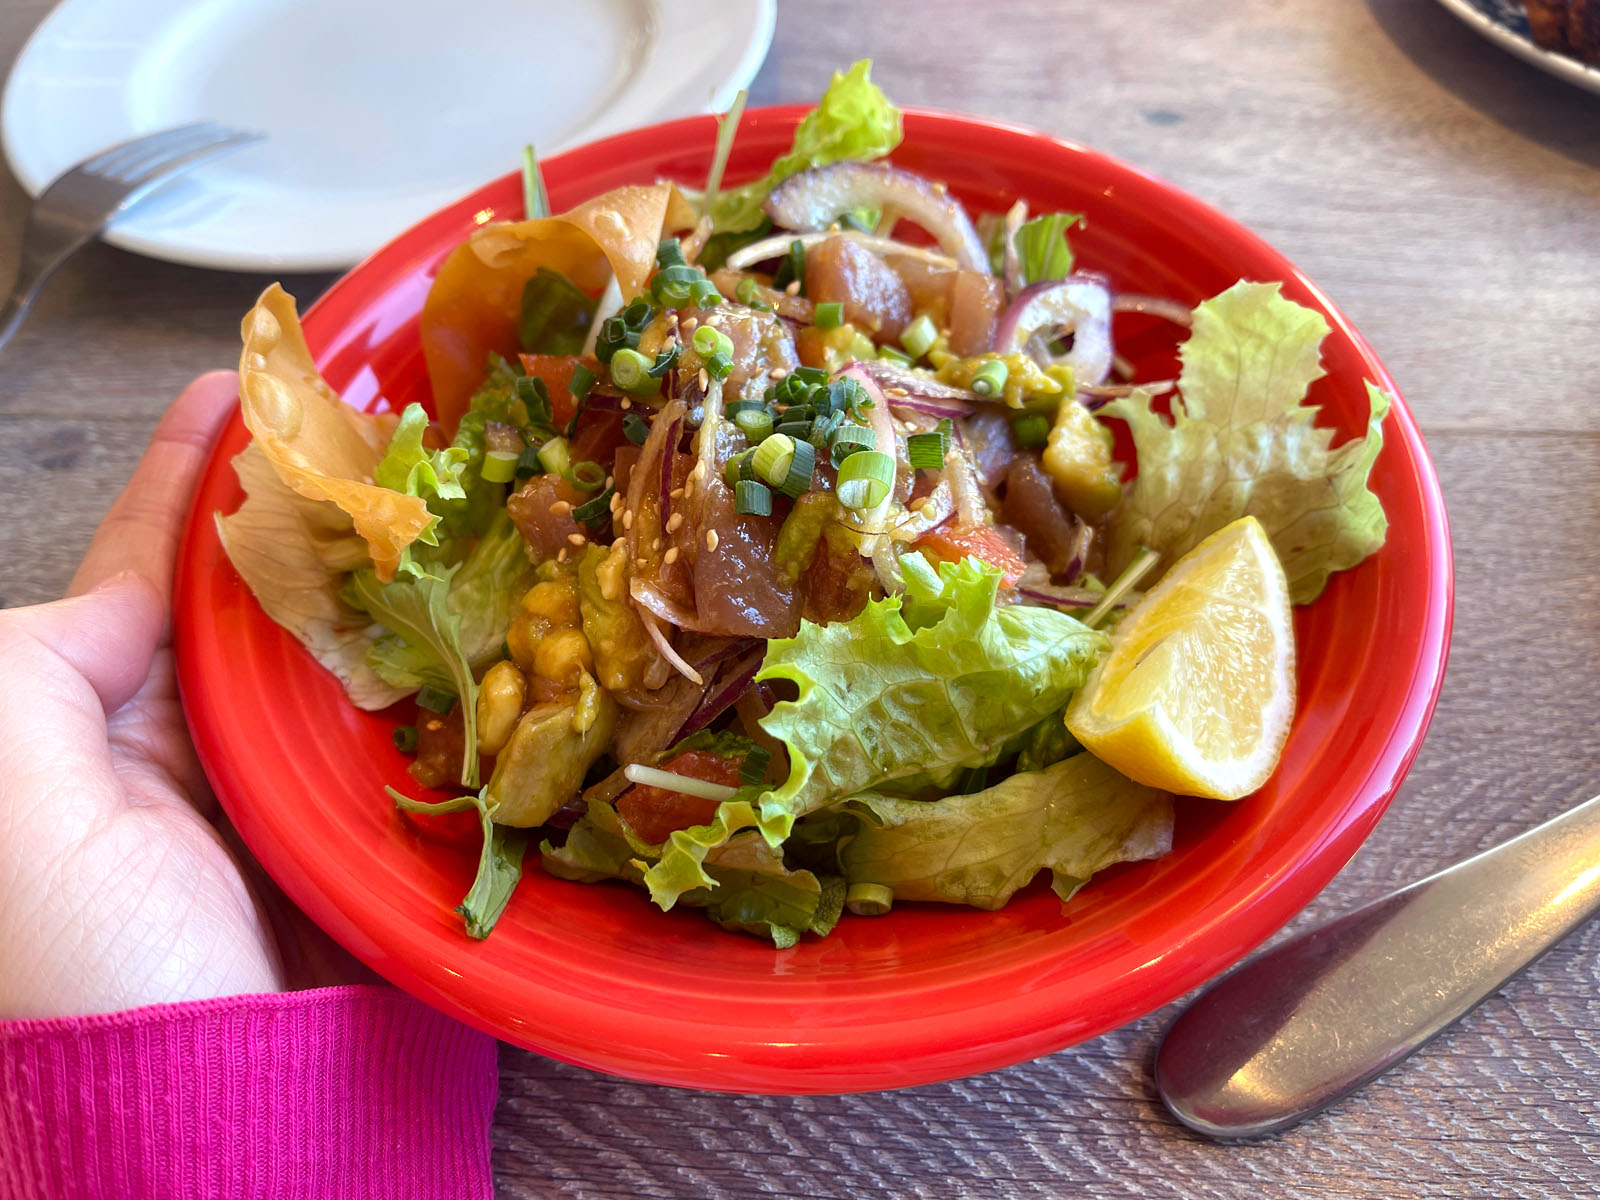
pixel 112 156
pixel 153 154
pixel 158 169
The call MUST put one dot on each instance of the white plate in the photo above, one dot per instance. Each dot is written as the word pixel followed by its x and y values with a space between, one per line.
pixel 377 112
pixel 1505 22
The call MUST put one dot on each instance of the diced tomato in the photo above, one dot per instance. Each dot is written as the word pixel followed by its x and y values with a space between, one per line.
pixel 556 371
pixel 653 812
pixel 955 542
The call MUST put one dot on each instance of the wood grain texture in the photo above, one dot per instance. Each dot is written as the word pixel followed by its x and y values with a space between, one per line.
pixel 1448 198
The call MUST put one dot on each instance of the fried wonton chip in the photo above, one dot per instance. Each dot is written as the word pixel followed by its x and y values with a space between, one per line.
pixel 293 554
pixel 476 299
pixel 320 446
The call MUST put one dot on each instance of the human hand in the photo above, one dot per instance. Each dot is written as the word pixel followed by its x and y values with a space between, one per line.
pixel 118 886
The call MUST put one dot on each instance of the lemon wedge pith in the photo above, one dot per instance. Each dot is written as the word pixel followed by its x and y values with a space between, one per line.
pixel 1197 692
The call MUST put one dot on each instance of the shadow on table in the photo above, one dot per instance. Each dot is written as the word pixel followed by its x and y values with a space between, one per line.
pixel 1501 86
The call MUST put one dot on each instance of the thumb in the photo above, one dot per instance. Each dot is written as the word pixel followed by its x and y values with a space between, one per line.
pixel 108 635
pixel 141 531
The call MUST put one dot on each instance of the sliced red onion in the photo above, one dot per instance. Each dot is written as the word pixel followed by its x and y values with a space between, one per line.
pixel 1060 597
pixel 1110 391
pixel 778 245
pixel 733 681
pixel 709 650
pixel 1016 216
pixel 1081 304
pixel 924 394
pixel 813 200
pixel 1155 306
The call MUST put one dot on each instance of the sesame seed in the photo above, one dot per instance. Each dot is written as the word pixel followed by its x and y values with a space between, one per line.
pixel 611 481
pixel 675 494
pixel 777 372
pixel 793 287
pixel 655 543
pixel 688 324
pixel 626 404
pixel 641 563
pixel 688 489
pixel 675 520
pixel 627 519
pixel 695 476
pixel 711 539
pixel 561 508
pixel 704 379
pixel 616 503
pixel 897 391
pixel 671 556
pixel 561 555
pixel 577 539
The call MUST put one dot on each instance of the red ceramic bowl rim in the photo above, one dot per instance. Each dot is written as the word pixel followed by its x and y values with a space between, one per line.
pixel 1202 945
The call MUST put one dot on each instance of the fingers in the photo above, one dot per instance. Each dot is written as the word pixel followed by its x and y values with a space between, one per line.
pixel 141 532
pixel 108 636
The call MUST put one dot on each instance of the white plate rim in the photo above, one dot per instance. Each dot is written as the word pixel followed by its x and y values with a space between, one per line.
pixel 1573 70
pixel 734 70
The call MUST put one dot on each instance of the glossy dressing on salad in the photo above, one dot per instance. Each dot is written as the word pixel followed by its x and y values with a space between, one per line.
pixel 760 538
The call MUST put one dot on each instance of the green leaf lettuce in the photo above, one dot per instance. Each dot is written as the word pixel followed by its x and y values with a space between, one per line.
pixel 1242 442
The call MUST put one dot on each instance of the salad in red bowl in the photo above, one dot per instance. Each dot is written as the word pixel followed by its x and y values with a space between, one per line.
pixel 868 530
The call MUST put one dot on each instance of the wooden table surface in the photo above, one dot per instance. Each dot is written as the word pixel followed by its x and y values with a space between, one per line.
pixel 1446 196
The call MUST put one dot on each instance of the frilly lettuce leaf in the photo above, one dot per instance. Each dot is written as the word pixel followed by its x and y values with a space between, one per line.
pixel 1242 442
pixel 432 476
pixel 881 701
pixel 745 884
pixel 1074 818
pixel 499 862
pixel 853 120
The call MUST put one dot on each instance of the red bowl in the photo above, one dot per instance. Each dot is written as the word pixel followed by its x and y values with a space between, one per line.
pixel 595 975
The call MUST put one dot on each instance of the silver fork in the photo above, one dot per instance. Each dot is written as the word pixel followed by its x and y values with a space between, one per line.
pixel 79 204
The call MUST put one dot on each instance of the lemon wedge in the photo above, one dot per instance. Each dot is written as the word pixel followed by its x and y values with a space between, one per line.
pixel 1197 691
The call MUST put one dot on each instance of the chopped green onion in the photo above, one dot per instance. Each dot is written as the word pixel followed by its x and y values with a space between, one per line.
pixel 773 457
pixel 865 478
pixel 718 366
pixel 553 456
pixel 535 201
pixel 708 341
pixel 890 354
pixel 752 498
pixel 1031 430
pixel 847 439
pixel 801 467
pixel 704 294
pixel 405 741
pixel 869 899
pixel 588 475
pixel 919 336
pixel 664 361
pixel 595 512
pixel 748 293
pixel 742 404
pixel 630 371
pixel 808 376
pixel 535 397
pixel 435 699
pixel 582 380
pixel 756 423
pixel 990 379
pixel 675 286
pixel 747 467
pixel 528 463
pixel 799 430
pixel 635 429
pixel 669 253
pixel 733 470
pixel 792 268
pixel 499 466
pixel 1121 585
pixel 926 451
pixel 861 220
pixel 829 315
pixel 754 767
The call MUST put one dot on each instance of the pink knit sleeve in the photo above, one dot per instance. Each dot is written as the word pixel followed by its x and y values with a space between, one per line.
pixel 348 1091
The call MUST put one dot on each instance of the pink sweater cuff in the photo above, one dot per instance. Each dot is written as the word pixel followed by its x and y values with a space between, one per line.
pixel 347 1091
